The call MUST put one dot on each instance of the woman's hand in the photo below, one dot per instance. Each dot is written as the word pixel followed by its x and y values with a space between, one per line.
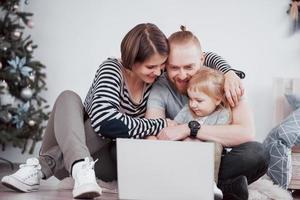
pixel 171 122
pixel 178 132
pixel 151 137
pixel 233 88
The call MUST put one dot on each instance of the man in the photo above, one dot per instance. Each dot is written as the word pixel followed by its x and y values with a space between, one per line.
pixel 246 160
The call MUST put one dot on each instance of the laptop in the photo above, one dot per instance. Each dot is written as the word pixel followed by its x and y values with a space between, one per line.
pixel 155 169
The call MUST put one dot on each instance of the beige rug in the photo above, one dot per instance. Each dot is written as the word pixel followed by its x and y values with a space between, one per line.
pixel 264 189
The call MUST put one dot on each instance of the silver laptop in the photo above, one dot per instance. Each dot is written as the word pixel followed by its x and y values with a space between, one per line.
pixel 149 169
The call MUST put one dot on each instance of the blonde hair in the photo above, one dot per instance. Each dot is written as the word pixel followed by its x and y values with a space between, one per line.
pixel 210 82
pixel 184 36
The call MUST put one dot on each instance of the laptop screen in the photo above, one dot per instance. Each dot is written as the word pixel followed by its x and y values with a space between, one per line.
pixel 153 169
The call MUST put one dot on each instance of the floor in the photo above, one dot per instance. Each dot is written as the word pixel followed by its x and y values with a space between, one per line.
pixel 53 189
pixel 49 190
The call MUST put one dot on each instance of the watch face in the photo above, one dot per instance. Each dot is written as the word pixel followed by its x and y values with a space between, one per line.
pixel 194 124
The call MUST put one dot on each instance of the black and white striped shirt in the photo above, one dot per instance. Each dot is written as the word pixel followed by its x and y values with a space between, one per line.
pixel 112 112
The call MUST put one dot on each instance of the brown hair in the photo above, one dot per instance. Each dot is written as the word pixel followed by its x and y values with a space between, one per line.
pixel 141 42
pixel 210 82
pixel 184 36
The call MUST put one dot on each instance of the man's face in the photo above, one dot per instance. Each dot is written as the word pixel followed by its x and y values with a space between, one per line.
pixel 183 62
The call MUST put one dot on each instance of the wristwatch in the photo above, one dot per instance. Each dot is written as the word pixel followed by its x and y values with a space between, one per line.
pixel 194 127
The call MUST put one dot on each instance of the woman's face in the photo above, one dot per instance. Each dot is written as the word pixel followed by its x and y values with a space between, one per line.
pixel 149 70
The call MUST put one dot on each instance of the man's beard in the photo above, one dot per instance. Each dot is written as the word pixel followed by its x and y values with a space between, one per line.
pixel 181 90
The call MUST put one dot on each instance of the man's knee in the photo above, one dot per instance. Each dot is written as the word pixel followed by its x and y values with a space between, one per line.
pixel 256 155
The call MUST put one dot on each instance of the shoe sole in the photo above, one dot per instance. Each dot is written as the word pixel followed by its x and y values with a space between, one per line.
pixel 15 184
pixel 88 191
pixel 218 197
pixel 231 197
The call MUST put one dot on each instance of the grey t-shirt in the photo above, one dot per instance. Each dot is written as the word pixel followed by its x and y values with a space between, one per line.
pixel 220 116
pixel 164 96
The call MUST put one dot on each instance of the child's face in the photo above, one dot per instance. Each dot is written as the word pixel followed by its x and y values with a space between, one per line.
pixel 202 104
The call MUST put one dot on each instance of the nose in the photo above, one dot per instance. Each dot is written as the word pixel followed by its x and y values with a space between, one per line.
pixel 192 104
pixel 182 74
pixel 157 71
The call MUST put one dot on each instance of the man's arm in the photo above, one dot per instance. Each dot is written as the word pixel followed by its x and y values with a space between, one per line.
pixel 240 131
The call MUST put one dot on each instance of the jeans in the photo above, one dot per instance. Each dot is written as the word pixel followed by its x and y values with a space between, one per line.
pixel 250 159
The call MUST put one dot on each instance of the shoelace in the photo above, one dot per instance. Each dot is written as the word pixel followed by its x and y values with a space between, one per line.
pixel 88 165
pixel 31 163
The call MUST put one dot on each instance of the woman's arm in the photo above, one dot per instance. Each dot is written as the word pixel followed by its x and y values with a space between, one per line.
pixel 104 108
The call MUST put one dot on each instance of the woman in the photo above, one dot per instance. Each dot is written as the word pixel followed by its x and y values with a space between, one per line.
pixel 114 107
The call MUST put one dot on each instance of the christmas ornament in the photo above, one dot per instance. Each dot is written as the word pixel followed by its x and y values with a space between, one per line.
pixel 16 8
pixel 29 48
pixel 5 116
pixel 30 24
pixel 3 84
pixel 18 64
pixel 26 93
pixel 17 119
pixel 16 35
pixel 32 77
pixel 31 122
pixel 6 99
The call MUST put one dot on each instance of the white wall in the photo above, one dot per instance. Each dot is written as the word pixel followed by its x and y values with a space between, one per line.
pixel 74 36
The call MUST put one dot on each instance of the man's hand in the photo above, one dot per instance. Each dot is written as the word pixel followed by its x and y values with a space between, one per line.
pixel 179 132
pixel 233 88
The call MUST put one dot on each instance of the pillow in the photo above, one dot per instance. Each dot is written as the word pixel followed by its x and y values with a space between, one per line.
pixel 278 143
pixel 294 100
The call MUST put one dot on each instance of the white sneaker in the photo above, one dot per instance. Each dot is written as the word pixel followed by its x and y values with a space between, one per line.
pixel 85 186
pixel 218 194
pixel 26 179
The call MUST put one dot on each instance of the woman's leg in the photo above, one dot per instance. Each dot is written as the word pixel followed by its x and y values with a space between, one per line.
pixel 64 140
pixel 64 143
pixel 67 138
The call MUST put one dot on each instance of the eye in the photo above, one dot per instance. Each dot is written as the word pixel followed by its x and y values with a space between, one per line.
pixel 151 66
pixel 174 67
pixel 189 67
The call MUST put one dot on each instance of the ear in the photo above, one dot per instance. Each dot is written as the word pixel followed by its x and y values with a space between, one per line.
pixel 202 58
pixel 218 102
pixel 135 66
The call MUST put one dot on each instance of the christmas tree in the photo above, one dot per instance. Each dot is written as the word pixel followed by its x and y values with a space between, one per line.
pixel 23 111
